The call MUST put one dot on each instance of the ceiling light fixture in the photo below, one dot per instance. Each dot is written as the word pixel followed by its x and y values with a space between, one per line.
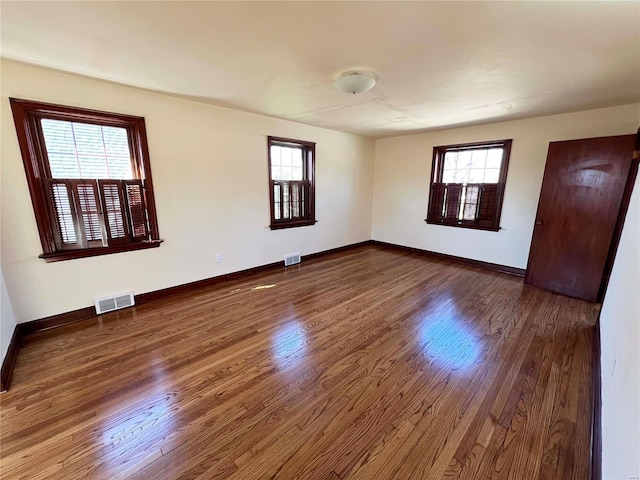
pixel 356 81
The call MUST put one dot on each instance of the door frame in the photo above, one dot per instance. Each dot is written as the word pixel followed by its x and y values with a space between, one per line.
pixel 617 231
pixel 622 215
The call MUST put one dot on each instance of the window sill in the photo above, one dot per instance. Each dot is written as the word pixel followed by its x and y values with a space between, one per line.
pixel 299 223
pixel 94 252
pixel 463 225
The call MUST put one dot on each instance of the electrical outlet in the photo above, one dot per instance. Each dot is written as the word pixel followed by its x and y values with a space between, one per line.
pixel 218 258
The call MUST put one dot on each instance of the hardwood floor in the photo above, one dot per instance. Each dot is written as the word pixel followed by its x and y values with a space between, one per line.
pixel 366 364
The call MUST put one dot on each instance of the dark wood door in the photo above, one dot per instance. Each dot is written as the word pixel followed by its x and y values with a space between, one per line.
pixel 580 201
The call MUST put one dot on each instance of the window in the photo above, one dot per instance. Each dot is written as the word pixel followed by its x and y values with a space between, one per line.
pixel 467 184
pixel 89 177
pixel 291 182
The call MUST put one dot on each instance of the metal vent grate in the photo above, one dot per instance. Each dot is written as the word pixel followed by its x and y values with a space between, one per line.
pixel 115 302
pixel 124 301
pixel 291 259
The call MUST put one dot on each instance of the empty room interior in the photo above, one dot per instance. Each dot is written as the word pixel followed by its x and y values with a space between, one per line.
pixel 320 240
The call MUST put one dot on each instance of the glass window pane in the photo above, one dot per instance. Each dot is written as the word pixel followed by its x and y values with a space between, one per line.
pixel 89 210
pixel 88 138
pixel 93 167
pixel 276 173
pixel 471 195
pixel 449 176
pixel 275 155
pixel 450 160
pixel 464 160
pixel 120 168
pixel 276 202
pixel 296 158
pixel 462 176
pixel 476 176
pixel 494 158
pixel 491 175
pixel 286 173
pixel 82 150
pixel 116 142
pixel 295 199
pixel 58 136
pixel 64 165
pixel 285 156
pixel 285 199
pixel 478 158
pixel 296 173
pixel 469 212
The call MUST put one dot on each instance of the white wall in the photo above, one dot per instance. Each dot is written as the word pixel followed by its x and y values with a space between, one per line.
pixel 7 318
pixel 620 361
pixel 209 169
pixel 7 315
pixel 210 163
pixel 403 170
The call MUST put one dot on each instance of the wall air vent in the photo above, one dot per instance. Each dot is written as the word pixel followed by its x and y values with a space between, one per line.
pixel 291 259
pixel 114 302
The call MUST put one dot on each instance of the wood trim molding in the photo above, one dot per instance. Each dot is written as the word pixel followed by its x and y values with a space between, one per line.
pixel 435 218
pixel 10 359
pixel 86 313
pixel 596 420
pixel 24 329
pixel 94 252
pixel 452 258
pixel 309 177
pixel 324 253
pixel 27 115
pixel 622 215
pixel 148 297
pixel 208 282
pixel 55 321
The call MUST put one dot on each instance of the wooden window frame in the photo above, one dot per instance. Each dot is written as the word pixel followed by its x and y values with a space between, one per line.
pixel 27 115
pixel 436 185
pixel 308 165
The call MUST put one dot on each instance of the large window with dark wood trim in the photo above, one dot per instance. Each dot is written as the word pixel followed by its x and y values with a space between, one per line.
pixel 467 184
pixel 89 177
pixel 291 182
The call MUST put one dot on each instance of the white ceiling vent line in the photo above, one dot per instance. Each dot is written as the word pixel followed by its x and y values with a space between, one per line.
pixel 114 302
pixel 291 259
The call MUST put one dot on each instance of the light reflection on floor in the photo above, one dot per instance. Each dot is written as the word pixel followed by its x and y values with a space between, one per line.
pixel 153 417
pixel 289 345
pixel 446 339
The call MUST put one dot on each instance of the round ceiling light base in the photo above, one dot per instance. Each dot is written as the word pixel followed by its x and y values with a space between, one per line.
pixel 356 81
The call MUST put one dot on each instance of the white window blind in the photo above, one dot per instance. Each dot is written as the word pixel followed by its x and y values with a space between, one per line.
pixel 87 151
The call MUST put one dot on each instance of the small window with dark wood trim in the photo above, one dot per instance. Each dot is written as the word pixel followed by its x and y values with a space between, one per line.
pixel 291 182
pixel 467 184
pixel 89 177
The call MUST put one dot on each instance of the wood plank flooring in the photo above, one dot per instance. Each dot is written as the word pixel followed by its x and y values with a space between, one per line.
pixel 372 363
